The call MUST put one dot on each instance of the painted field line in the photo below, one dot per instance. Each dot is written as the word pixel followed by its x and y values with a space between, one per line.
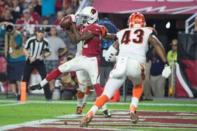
pixel 37 123
pixel 27 124
pixel 12 104
pixel 117 103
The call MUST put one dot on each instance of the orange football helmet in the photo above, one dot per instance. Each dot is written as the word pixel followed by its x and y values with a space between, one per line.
pixel 136 19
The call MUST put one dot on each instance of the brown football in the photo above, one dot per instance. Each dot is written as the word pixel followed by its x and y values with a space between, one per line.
pixel 65 22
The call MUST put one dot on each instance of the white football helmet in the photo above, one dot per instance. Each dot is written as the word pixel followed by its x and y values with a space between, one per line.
pixel 88 15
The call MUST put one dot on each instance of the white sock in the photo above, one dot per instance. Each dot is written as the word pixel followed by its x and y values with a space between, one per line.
pixel 104 107
pixel 43 82
pixel 79 102
pixel 134 102
pixel 94 109
pixel 85 98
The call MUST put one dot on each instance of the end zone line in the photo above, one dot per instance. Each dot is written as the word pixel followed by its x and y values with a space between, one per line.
pixel 117 103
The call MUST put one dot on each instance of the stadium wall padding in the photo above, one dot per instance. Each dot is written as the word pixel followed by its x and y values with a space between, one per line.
pixel 186 71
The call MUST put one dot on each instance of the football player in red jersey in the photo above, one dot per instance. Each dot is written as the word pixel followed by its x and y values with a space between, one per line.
pixel 90 34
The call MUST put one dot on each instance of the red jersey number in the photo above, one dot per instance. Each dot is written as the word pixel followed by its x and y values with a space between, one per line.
pixel 126 37
pixel 138 40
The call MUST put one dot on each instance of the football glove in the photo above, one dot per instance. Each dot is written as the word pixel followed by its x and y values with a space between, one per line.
pixel 166 71
pixel 110 54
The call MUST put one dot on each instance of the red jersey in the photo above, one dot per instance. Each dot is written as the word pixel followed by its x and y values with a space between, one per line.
pixel 92 47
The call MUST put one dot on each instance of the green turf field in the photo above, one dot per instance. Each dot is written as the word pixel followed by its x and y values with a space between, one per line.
pixel 12 112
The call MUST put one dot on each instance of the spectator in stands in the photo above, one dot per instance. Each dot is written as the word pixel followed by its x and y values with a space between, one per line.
pixel 34 14
pixel 45 22
pixel 24 4
pixel 58 5
pixel 16 9
pixel 36 50
pixel 172 54
pixel 7 15
pixel 60 15
pixel 55 43
pixel 68 81
pixel 15 57
pixel 69 44
pixel 67 6
pixel 75 4
pixel 27 23
pixel 36 6
pixel 2 6
pixel 157 82
pixel 172 59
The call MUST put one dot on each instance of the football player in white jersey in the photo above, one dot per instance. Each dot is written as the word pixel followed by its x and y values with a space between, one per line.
pixel 132 45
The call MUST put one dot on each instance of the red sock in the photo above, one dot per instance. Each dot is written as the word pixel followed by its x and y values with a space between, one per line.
pixel 53 74
pixel 98 89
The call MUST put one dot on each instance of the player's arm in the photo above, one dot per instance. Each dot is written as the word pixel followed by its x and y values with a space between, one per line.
pixel 161 53
pixel 71 35
pixel 110 36
pixel 77 36
pixel 158 47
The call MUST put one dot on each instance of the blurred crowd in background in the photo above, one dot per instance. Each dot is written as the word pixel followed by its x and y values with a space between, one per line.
pixel 26 15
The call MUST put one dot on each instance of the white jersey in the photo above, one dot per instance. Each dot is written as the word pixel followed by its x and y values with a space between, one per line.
pixel 133 43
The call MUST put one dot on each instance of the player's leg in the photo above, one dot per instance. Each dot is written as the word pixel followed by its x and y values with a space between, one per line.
pixel 40 66
pixel 136 95
pixel 95 80
pixel 111 86
pixel 72 65
pixel 137 73
pixel 87 93
pixel 83 78
pixel 93 72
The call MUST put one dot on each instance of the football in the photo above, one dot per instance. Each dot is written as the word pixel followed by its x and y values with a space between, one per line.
pixel 65 22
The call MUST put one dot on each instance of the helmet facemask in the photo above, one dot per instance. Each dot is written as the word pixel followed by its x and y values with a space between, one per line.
pixel 136 19
pixel 87 16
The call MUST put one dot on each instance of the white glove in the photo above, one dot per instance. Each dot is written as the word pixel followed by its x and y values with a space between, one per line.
pixel 110 54
pixel 166 71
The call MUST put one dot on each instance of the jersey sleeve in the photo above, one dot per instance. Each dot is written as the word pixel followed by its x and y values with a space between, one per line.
pixel 27 44
pixel 46 46
pixel 98 30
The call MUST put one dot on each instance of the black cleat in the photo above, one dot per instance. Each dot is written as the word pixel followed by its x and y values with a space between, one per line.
pixel 79 110
pixel 35 87
pixel 107 114
pixel 18 97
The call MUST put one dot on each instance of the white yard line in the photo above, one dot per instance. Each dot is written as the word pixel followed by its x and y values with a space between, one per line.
pixel 26 124
pixel 117 103
pixel 12 104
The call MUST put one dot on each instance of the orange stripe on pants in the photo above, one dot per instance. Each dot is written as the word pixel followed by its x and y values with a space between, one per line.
pixel 137 91
pixel 101 101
